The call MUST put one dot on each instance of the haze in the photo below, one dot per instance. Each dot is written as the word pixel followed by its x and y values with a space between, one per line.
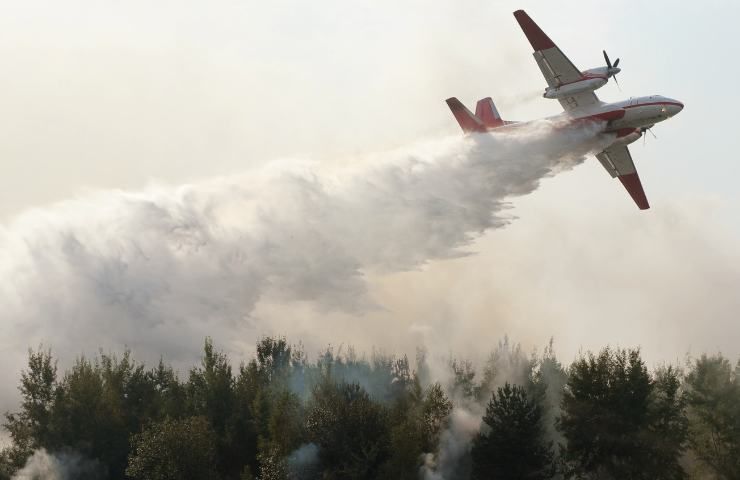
pixel 100 95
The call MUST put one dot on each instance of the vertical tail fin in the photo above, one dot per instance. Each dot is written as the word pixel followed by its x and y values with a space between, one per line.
pixel 487 112
pixel 466 119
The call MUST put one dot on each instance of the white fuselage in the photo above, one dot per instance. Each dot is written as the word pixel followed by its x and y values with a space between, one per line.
pixel 626 119
pixel 643 111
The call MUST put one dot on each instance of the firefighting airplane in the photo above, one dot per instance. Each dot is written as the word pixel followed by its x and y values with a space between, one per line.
pixel 627 120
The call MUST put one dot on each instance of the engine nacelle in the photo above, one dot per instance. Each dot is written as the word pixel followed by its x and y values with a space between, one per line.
pixel 588 84
pixel 625 136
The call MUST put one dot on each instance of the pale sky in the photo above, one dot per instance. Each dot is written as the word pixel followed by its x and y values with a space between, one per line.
pixel 101 94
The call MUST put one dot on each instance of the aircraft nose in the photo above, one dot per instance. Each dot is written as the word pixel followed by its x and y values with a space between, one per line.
pixel 675 108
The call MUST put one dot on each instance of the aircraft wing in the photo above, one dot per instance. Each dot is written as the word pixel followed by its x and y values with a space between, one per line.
pixel 553 63
pixel 618 162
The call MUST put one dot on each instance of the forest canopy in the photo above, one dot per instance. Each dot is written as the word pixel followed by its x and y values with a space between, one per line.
pixel 350 416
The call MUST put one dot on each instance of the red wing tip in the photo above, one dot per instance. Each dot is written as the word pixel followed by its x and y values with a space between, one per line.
pixel 631 182
pixel 537 38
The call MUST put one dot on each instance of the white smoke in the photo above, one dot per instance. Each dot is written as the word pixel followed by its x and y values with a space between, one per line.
pixel 303 462
pixel 449 462
pixel 159 270
pixel 43 465
pixel 507 363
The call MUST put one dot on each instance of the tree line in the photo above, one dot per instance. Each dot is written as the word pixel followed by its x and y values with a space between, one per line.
pixel 346 416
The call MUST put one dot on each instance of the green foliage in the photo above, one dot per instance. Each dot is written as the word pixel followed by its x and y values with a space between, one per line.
pixel 713 391
pixel 546 386
pixel 170 396
pixel 279 416
pixel 286 429
pixel 511 445
pixel 6 466
pixel 618 421
pixel 31 428
pixel 436 409
pixel 350 429
pixel 210 388
pixel 667 429
pixel 463 380
pixel 91 411
pixel 416 420
pixel 174 450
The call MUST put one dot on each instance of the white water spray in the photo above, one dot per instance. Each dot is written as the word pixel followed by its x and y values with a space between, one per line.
pixel 159 270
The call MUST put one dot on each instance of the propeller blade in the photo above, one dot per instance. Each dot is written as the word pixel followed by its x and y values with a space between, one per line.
pixel 606 57
pixel 616 62
pixel 644 137
pixel 615 81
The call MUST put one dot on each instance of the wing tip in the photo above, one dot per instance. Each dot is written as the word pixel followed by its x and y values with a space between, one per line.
pixel 632 184
pixel 537 38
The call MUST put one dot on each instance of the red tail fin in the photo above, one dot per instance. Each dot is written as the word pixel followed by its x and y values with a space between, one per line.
pixel 487 112
pixel 466 119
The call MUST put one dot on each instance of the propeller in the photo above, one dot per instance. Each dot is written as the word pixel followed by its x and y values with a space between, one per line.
pixel 608 62
pixel 644 137
pixel 612 70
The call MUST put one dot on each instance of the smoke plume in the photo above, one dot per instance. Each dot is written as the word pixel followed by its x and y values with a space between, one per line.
pixel 303 462
pixel 43 465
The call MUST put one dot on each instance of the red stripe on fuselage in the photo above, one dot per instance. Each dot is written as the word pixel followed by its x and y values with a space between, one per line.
pixel 653 103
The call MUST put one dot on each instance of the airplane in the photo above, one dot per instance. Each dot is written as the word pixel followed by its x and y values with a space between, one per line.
pixel 627 120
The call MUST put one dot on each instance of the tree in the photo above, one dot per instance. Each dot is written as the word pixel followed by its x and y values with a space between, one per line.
pixel 463 380
pixel 512 444
pixel 93 410
pixel 618 421
pixel 174 450
pixel 129 396
pixel 6 467
pixel 406 423
pixel 31 428
pixel 210 393
pixel 436 409
pixel 507 363
pixel 350 429
pixel 210 387
pixel 171 396
pixel 667 432
pixel 713 393
pixel 546 386
pixel 274 359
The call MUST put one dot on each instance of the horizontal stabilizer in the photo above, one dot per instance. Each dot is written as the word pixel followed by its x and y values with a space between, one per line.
pixel 468 122
pixel 487 112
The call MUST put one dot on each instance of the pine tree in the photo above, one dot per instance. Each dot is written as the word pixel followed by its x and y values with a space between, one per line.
pixel 350 430
pixel 511 442
pixel 619 422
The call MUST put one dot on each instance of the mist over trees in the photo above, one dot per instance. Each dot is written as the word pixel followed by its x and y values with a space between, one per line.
pixel 282 416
